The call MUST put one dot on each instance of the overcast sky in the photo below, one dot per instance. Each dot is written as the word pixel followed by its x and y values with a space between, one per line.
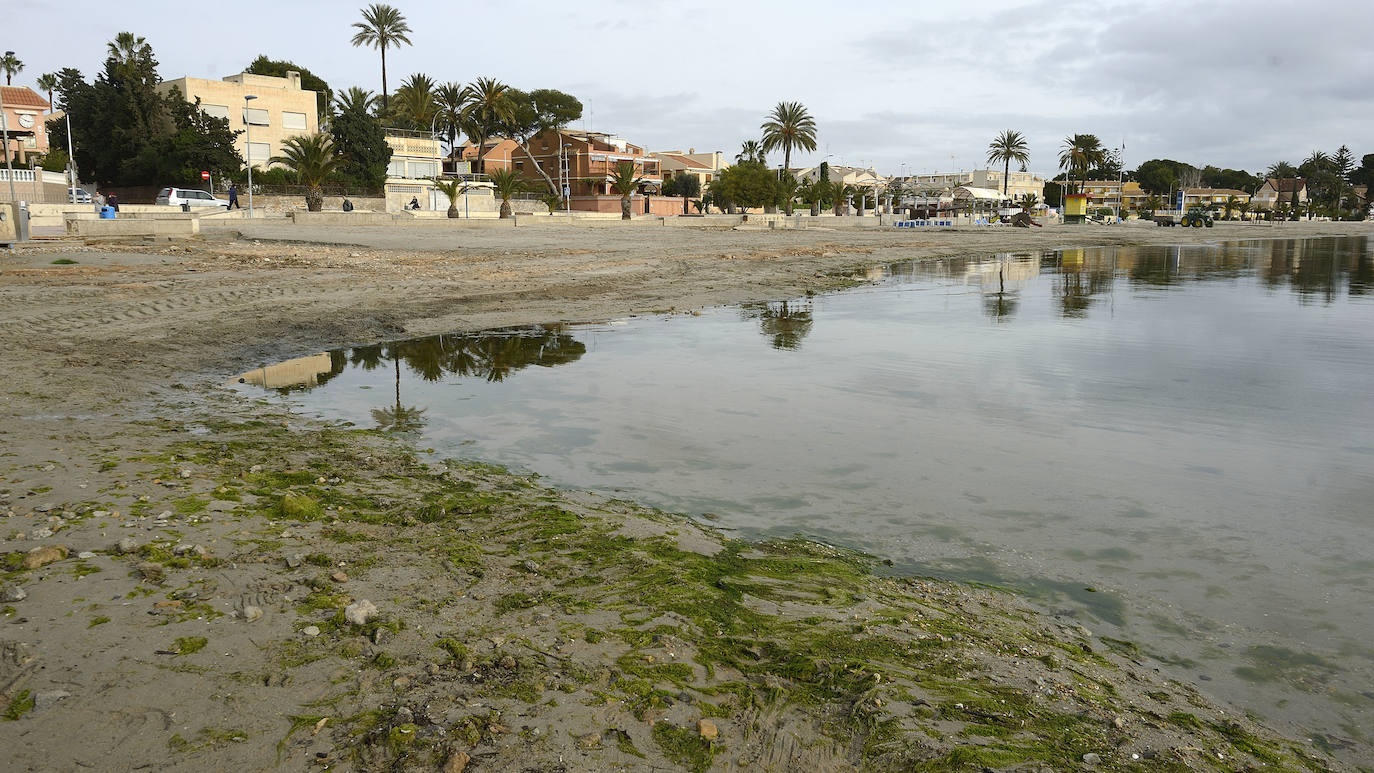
pixel 912 86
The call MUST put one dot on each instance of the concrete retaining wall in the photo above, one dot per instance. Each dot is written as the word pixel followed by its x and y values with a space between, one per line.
pixel 184 226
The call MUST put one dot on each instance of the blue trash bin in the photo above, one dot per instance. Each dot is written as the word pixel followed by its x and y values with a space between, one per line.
pixel 107 213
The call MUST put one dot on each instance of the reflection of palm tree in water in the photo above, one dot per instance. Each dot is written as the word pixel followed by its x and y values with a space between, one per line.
pixel 1001 304
pixel 492 356
pixel 399 418
pixel 785 324
pixel 1078 288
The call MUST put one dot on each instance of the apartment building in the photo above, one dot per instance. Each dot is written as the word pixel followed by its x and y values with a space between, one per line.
pixel 280 109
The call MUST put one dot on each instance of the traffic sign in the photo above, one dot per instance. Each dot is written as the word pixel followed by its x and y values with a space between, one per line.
pixel 204 175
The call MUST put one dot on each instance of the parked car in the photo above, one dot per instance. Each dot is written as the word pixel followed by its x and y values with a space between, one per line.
pixel 196 198
pixel 79 196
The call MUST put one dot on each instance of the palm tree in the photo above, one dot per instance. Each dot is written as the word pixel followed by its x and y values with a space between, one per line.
pixel 486 104
pixel 448 106
pixel 506 183
pixel 11 65
pixel 1028 201
pixel 1080 153
pixel 789 126
pixel 126 47
pixel 382 27
pixel 624 181
pixel 415 101
pixel 1230 206
pixel 1242 207
pixel 751 150
pixel 354 100
pixel 452 189
pixel 1008 146
pixel 48 82
pixel 312 158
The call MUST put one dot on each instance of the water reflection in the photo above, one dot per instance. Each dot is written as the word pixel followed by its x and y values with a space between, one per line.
pixel 784 323
pixel 1184 430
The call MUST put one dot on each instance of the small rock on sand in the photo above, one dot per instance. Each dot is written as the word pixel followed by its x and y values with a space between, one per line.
pixel 44 555
pixel 360 612
pixel 251 613
pixel 126 545
pixel 707 729
pixel 311 630
pixel 457 762
pixel 9 593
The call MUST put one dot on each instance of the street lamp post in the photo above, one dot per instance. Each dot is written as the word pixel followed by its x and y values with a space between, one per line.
pixel 5 126
pixel 71 159
pixel 248 149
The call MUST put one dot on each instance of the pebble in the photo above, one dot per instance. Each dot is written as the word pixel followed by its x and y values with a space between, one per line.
pixel 44 555
pixel 339 577
pixel 707 729
pixel 457 762
pixel 10 593
pixel 42 533
pixel 294 561
pixel 126 545
pixel 530 566
pixel 360 612
pixel 45 507
pixel 1091 759
pixel 47 698
pixel 252 613
pixel 85 554
pixel 311 630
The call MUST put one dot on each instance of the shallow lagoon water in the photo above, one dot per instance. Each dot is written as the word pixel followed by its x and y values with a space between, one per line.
pixel 1173 445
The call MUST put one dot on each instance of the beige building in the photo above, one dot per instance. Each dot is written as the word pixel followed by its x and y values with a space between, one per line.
pixel 281 110
pixel 1018 183
pixel 1279 191
pixel 704 166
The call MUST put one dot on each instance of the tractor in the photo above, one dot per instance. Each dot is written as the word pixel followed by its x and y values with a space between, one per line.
pixel 1196 217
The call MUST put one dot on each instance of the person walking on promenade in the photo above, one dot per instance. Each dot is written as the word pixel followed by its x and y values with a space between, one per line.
pixel 233 197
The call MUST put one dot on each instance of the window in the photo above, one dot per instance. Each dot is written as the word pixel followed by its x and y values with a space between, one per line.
pixel 259 151
pixel 255 116
pixel 396 169
pixel 422 169
pixel 293 121
pixel 215 111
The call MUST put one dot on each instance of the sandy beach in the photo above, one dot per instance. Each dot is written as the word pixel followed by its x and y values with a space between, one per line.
pixel 192 580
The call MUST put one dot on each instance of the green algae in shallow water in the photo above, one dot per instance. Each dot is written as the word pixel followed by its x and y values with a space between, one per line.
pixel 1270 663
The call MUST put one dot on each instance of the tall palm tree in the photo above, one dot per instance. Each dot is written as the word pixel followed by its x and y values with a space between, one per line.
pixel 1007 147
pixel 1080 153
pixel 506 183
pixel 12 66
pixel 382 27
pixel 789 126
pixel 126 47
pixel 751 150
pixel 313 159
pixel 486 104
pixel 48 82
pixel 624 181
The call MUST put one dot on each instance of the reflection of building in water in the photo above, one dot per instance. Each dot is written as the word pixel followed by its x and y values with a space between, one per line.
pixel 302 371
pixel 1004 274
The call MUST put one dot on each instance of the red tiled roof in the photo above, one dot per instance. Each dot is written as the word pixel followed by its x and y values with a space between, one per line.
pixel 23 96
